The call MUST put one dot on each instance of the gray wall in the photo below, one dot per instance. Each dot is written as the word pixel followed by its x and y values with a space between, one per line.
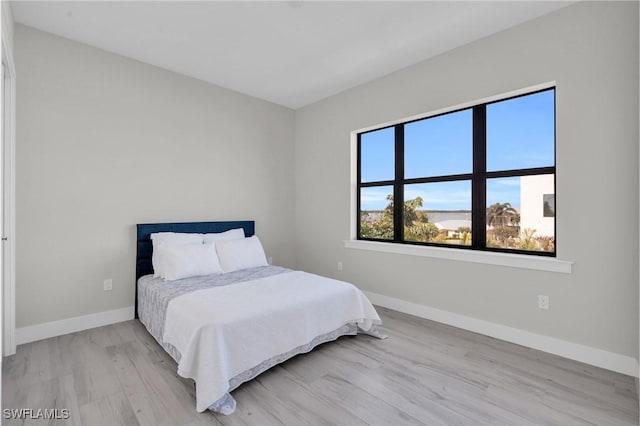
pixel 591 51
pixel 105 142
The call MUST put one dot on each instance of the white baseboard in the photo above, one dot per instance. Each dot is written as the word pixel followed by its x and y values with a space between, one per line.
pixel 32 333
pixel 589 355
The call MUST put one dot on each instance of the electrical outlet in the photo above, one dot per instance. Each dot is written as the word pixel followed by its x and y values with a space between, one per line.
pixel 543 302
pixel 108 284
pixel 339 266
pixel 270 260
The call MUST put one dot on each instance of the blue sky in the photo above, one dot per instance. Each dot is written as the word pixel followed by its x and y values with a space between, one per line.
pixel 520 134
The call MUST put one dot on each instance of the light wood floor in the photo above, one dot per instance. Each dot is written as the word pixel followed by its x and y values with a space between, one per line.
pixel 424 373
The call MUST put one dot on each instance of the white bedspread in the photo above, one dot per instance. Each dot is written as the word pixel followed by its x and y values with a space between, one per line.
pixel 223 331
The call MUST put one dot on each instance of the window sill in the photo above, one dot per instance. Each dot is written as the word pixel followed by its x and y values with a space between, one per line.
pixel 490 258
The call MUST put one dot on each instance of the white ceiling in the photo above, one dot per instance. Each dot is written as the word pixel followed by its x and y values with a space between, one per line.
pixel 292 53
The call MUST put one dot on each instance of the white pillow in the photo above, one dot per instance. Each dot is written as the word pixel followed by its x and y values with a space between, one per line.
pixel 240 254
pixel 188 260
pixel 173 238
pixel 232 234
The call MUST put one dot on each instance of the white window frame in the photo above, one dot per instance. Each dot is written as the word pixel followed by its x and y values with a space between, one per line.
pixel 485 257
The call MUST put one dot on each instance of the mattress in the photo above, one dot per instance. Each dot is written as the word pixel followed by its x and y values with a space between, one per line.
pixel 155 297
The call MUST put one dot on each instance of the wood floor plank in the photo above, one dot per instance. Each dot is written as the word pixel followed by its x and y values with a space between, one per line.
pixel 311 408
pixel 257 406
pixel 93 373
pixel 373 410
pixel 419 404
pixel 114 410
pixel 424 373
pixel 57 394
pixel 151 396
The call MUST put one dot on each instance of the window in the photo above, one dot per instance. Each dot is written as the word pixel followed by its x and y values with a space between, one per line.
pixel 479 178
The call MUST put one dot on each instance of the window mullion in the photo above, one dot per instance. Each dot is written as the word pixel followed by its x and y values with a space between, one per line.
pixel 358 187
pixel 398 187
pixel 479 182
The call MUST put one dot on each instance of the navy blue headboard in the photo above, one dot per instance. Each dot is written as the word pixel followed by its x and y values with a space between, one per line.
pixel 144 248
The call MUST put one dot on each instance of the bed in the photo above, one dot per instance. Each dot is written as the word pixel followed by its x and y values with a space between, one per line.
pixel 226 329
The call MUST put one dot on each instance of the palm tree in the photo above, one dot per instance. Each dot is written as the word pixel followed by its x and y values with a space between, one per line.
pixel 501 214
